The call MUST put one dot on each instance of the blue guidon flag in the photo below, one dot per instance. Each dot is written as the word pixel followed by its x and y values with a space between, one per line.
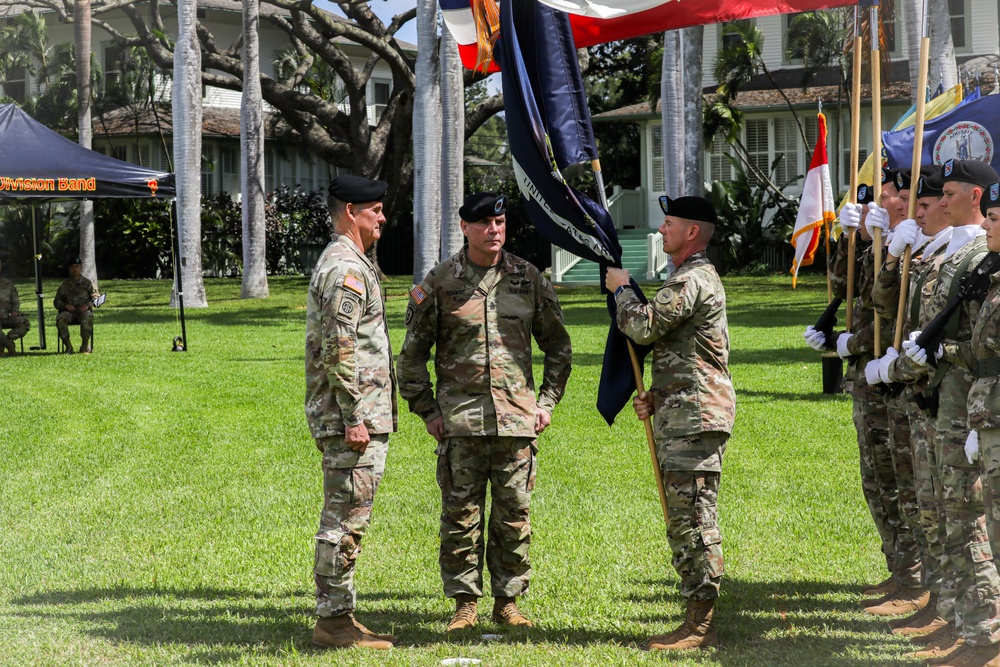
pixel 548 124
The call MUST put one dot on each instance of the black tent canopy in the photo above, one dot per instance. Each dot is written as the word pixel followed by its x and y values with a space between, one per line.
pixel 39 165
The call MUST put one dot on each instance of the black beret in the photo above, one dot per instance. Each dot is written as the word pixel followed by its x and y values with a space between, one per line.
pixel 888 176
pixel 970 171
pixel 75 260
pixel 481 205
pixel 866 194
pixel 689 208
pixel 357 189
pixel 930 185
pixel 991 198
pixel 904 178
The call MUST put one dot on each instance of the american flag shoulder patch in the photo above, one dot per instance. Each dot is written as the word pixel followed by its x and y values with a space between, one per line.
pixel 354 284
pixel 418 294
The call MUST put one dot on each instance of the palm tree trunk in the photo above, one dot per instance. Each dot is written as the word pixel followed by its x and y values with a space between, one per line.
pixel 187 153
pixel 426 144
pixel 912 25
pixel 942 59
pixel 82 48
pixel 452 145
pixel 672 113
pixel 252 168
pixel 694 147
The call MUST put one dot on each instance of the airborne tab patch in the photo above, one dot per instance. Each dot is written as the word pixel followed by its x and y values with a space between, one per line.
pixel 418 294
pixel 354 284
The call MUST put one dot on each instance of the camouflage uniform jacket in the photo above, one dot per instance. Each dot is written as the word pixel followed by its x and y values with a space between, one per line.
pixel 984 397
pixel 686 323
pixel 483 359
pixel 885 291
pixel 9 301
pixel 349 376
pixel 862 345
pixel 75 293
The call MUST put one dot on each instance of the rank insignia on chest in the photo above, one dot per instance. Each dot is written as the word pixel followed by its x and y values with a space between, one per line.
pixel 354 284
pixel 418 294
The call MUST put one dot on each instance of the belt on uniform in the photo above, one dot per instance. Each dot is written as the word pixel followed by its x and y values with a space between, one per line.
pixel 988 367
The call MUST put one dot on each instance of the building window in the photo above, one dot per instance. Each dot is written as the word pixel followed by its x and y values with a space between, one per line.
pixel 719 168
pixel 865 145
pixel 15 85
pixel 207 172
pixel 381 91
pixel 119 153
pixel 786 143
pixel 113 60
pixel 756 131
pixel 727 39
pixel 270 182
pixel 658 178
pixel 959 12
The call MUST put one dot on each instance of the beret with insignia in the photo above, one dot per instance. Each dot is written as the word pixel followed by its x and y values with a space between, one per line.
pixel 357 189
pixel 866 194
pixel 75 260
pixel 904 178
pixel 481 205
pixel 991 198
pixel 698 209
pixel 930 185
pixel 970 171
pixel 888 176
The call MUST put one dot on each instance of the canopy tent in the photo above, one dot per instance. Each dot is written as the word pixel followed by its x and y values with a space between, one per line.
pixel 39 165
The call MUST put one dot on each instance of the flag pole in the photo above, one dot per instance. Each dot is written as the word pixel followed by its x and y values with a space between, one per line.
pixel 876 67
pixel 636 369
pixel 852 235
pixel 918 147
pixel 826 228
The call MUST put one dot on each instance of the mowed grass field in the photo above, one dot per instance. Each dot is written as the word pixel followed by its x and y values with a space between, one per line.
pixel 158 508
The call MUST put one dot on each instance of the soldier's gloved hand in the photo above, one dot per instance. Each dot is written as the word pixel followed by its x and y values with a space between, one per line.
pixel 850 217
pixel 905 234
pixel 815 339
pixel 877 217
pixel 842 341
pixel 643 406
pixel 972 446
pixel 871 372
pixel 883 364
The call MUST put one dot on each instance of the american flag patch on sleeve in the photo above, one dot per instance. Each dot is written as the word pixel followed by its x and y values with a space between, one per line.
pixel 418 294
pixel 354 284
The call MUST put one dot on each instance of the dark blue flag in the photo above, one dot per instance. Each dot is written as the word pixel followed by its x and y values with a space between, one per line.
pixel 967 132
pixel 548 124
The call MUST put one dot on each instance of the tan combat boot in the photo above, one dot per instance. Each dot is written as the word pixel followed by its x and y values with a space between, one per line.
pixel 344 632
pixel 917 616
pixel 905 601
pixel 884 587
pixel 85 346
pixel 974 656
pixel 946 644
pixel 465 613
pixel 505 612
pixel 697 630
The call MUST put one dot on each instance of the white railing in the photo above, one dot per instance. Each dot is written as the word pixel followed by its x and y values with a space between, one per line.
pixel 562 262
pixel 627 207
pixel 656 260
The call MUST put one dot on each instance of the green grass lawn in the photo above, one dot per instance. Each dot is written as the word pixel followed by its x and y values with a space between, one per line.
pixel 158 508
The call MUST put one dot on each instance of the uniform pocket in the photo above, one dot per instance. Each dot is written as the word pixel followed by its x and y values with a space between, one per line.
pixel 532 466
pixel 712 539
pixel 443 469
pixel 329 561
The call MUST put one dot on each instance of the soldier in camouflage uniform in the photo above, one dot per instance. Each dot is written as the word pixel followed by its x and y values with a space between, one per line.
pixel 10 317
pixel 350 402
pixel 692 402
pixel 74 301
pixel 935 233
pixel 878 477
pixel 968 556
pixel 480 309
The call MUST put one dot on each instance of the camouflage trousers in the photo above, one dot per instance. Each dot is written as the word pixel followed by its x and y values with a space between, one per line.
pixel 18 326
pixel 878 477
pixel 931 512
pixel 692 502
pixel 84 319
pixel 910 543
pixel 968 557
pixel 465 467
pixel 350 480
pixel 989 466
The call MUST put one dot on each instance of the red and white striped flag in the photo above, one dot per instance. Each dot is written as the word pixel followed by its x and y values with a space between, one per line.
pixel 816 208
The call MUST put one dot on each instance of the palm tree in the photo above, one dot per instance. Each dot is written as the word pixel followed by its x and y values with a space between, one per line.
pixel 252 154
pixel 427 130
pixel 452 145
pixel 187 152
pixel 82 50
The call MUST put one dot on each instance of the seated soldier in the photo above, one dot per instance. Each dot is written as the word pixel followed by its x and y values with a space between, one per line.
pixel 74 301
pixel 10 317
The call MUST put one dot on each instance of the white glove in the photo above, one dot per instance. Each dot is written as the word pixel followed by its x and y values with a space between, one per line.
pixel 919 354
pixel 815 339
pixel 877 217
pixel 871 372
pixel 883 365
pixel 850 217
pixel 842 341
pixel 972 446
pixel 905 234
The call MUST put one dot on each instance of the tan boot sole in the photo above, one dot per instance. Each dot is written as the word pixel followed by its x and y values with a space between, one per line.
pixel 710 639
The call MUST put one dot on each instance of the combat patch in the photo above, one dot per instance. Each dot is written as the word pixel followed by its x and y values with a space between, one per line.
pixel 349 308
pixel 409 314
pixel 354 284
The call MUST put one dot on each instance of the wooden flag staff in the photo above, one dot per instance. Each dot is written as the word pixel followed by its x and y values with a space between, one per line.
pixel 873 28
pixel 852 235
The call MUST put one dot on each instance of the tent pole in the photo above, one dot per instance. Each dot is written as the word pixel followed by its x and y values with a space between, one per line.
pixel 38 281
pixel 178 272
